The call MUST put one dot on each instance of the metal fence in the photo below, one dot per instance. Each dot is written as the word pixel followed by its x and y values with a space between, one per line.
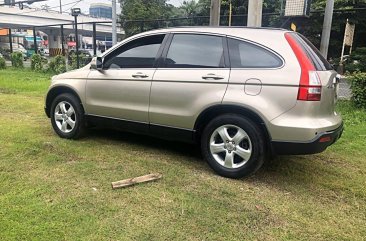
pixel 310 26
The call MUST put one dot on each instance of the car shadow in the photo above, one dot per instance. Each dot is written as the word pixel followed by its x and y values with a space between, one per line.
pixel 145 141
pixel 308 174
pixel 280 172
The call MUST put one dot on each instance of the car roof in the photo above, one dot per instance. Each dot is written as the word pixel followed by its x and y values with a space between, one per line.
pixel 218 30
pixel 244 32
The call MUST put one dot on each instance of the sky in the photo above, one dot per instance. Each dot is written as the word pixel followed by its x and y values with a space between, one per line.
pixel 83 4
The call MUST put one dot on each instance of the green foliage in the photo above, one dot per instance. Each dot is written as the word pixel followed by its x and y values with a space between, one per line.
pixel 358 86
pixel 5 53
pixel 84 59
pixel 37 62
pixel 57 65
pixel 143 10
pixel 190 8
pixel 73 61
pixel 357 61
pixel 137 15
pixel 17 60
pixel 2 63
pixel 312 27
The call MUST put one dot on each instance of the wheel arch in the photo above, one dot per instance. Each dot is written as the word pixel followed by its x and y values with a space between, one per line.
pixel 56 91
pixel 211 112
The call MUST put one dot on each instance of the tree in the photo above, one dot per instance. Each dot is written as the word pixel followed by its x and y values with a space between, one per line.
pixel 190 8
pixel 135 14
pixel 145 10
pixel 312 27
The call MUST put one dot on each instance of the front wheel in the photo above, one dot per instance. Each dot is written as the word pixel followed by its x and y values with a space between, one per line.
pixel 67 116
pixel 233 146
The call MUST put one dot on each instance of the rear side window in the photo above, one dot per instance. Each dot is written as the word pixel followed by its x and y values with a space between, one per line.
pixel 195 51
pixel 248 55
pixel 312 52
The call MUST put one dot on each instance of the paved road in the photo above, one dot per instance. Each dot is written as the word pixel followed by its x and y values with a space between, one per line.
pixel 344 90
pixel 27 63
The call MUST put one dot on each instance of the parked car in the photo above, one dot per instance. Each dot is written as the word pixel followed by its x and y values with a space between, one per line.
pixel 44 52
pixel 240 92
pixel 16 48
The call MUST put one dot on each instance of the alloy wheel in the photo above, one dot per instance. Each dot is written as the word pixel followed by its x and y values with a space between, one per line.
pixel 230 146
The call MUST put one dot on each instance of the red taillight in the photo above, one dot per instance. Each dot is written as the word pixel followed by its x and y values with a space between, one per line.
pixel 325 139
pixel 310 87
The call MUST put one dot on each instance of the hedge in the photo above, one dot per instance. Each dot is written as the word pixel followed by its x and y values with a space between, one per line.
pixel 358 86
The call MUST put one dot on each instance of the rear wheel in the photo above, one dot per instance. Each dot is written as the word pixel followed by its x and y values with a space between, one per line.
pixel 67 116
pixel 233 146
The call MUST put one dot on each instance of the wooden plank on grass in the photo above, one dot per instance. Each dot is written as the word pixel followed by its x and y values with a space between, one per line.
pixel 135 180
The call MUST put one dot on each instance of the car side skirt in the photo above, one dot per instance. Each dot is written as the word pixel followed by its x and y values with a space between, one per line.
pixel 159 131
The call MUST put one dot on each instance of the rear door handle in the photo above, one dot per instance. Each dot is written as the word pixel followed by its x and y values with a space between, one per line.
pixel 139 75
pixel 212 76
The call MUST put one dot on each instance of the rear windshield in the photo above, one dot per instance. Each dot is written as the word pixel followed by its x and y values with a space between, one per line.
pixel 320 63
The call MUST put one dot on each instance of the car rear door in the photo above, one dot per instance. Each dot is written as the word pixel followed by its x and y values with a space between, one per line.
pixel 193 75
pixel 259 79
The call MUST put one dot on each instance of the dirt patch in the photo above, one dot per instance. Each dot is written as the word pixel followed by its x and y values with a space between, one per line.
pixel 7 91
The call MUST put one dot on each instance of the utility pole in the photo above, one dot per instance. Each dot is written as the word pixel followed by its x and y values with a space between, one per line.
pixel 327 27
pixel 215 13
pixel 230 11
pixel 60 6
pixel 255 13
pixel 114 22
pixel 76 12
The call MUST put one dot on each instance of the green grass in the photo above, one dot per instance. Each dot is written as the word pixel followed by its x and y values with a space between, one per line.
pixel 56 189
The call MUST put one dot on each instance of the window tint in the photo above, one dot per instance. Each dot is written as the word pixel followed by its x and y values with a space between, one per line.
pixel 139 53
pixel 247 55
pixel 313 53
pixel 195 51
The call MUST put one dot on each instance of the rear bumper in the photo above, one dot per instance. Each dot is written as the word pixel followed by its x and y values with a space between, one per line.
pixel 317 145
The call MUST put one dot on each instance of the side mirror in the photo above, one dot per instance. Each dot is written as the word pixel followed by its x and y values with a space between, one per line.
pixel 96 63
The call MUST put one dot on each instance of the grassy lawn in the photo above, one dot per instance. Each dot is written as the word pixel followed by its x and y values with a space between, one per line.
pixel 56 189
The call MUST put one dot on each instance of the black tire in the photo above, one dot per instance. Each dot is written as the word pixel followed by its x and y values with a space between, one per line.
pixel 254 137
pixel 78 117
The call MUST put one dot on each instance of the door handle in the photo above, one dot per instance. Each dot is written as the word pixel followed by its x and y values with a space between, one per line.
pixel 140 75
pixel 212 76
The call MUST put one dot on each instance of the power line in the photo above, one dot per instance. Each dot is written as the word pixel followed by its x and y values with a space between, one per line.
pixel 66 4
pixel 21 2
pixel 74 5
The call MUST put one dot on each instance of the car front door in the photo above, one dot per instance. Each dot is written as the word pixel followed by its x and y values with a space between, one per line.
pixel 193 76
pixel 121 89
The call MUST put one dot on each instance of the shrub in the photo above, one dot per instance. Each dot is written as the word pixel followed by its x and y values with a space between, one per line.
pixel 358 86
pixel 357 61
pixel 5 53
pixel 17 60
pixel 84 59
pixel 2 63
pixel 37 62
pixel 57 65
pixel 73 61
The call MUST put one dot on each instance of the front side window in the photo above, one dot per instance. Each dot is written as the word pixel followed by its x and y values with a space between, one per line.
pixel 195 51
pixel 139 53
pixel 248 55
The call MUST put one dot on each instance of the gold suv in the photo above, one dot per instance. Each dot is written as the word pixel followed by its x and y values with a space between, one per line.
pixel 239 92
